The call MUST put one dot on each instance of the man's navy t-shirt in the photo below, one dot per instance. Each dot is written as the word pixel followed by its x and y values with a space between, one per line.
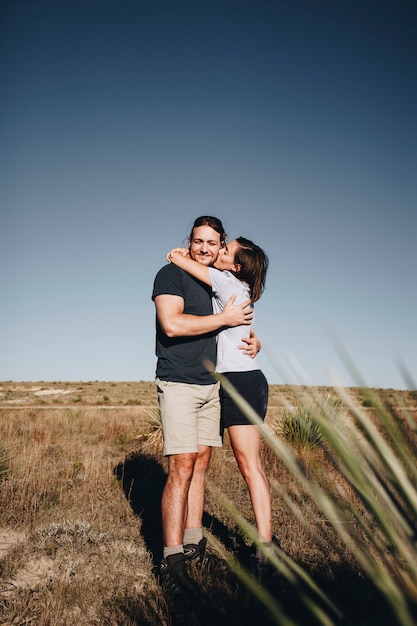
pixel 181 359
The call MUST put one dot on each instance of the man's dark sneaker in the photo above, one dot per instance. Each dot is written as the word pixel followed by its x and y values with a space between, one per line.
pixel 195 552
pixel 198 557
pixel 173 577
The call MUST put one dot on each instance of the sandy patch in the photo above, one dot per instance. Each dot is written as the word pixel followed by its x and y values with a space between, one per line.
pixel 8 539
pixel 33 574
pixel 53 392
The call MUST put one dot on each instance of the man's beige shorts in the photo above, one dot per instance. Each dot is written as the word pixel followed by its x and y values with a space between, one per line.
pixel 190 416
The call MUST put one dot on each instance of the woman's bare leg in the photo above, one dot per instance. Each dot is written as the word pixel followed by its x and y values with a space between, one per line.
pixel 245 441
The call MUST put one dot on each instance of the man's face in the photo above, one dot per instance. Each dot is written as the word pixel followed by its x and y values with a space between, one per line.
pixel 205 245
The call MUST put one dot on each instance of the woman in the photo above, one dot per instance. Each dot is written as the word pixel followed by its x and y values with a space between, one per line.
pixel 240 269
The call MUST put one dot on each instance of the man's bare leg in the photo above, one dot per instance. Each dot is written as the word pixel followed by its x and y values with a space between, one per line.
pixel 196 492
pixel 173 575
pixel 175 497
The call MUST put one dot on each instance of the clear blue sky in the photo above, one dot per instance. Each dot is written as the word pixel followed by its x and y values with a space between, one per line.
pixel 293 122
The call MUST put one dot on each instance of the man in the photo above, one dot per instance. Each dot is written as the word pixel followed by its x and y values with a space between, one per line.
pixel 188 395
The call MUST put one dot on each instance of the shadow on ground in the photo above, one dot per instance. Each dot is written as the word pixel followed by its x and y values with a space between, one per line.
pixel 143 478
pixel 221 598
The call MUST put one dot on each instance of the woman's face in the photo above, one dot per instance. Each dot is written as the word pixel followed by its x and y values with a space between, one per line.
pixel 226 258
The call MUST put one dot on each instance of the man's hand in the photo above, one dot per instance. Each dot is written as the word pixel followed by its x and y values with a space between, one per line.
pixel 236 314
pixel 253 345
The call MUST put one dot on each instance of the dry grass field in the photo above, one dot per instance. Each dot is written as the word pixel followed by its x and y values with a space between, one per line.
pixel 80 528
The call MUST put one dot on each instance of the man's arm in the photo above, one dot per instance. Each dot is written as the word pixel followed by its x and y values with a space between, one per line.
pixel 252 345
pixel 175 323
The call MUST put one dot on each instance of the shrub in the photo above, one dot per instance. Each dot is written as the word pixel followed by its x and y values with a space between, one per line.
pixel 152 439
pixel 300 428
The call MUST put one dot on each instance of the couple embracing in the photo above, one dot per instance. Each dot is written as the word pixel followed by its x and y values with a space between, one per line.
pixel 204 302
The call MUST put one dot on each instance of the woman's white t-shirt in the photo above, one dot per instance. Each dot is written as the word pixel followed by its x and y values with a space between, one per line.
pixel 229 357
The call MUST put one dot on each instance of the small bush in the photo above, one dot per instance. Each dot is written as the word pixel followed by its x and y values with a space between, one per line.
pixel 299 429
pixel 153 438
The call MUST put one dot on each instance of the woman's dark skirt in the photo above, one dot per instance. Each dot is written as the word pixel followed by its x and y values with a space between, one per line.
pixel 253 387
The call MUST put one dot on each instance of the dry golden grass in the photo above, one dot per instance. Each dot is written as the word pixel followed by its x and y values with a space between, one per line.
pixel 73 542
pixel 80 523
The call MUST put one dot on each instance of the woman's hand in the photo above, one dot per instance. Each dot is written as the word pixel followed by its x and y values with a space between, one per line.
pixel 181 251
